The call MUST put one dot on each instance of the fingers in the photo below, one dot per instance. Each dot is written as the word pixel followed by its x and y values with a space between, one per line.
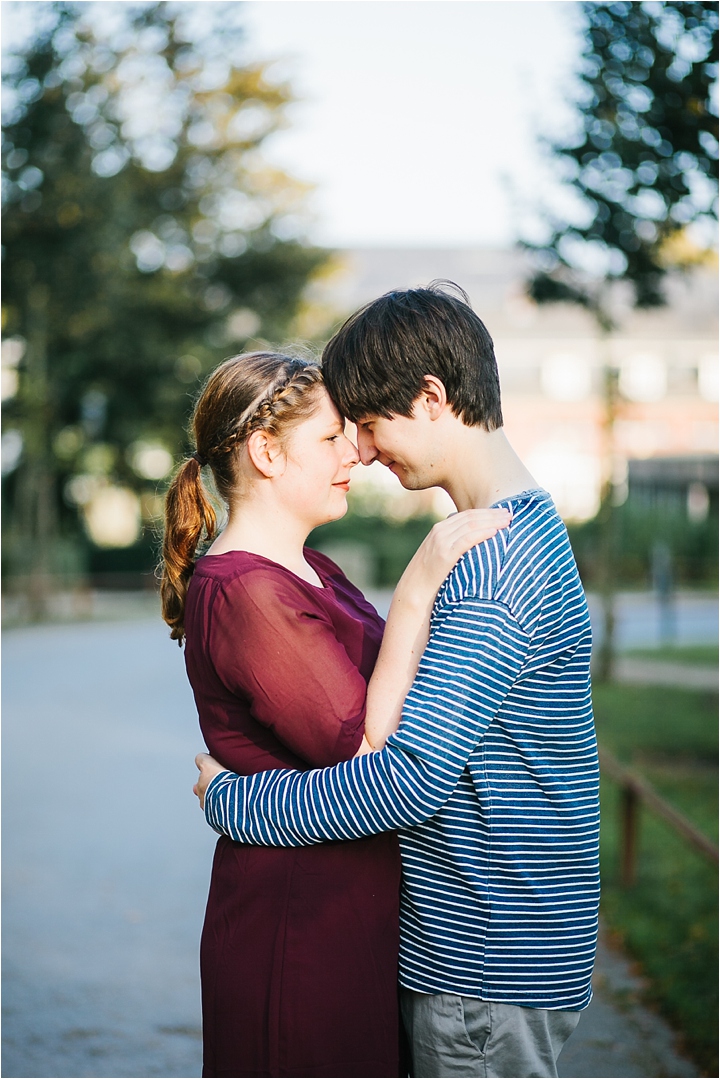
pixel 482 516
pixel 481 523
pixel 199 794
pixel 201 759
pixel 472 526
pixel 497 518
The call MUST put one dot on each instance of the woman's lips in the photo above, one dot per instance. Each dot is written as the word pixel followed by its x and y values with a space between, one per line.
pixel 345 485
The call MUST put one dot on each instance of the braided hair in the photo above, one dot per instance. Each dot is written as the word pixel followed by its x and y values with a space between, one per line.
pixel 257 391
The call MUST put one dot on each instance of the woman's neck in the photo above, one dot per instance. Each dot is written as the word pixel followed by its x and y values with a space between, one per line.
pixel 267 531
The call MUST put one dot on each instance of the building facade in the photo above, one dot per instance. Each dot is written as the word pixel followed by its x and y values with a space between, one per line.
pixel 552 362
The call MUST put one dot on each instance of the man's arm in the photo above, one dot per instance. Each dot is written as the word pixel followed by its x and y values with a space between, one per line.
pixel 474 655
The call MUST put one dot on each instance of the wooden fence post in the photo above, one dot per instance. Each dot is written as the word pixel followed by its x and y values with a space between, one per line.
pixel 629 820
pixel 635 790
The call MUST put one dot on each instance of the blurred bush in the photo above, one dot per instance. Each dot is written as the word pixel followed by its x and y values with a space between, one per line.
pixel 145 239
pixel 389 545
pixel 386 544
pixel 693 546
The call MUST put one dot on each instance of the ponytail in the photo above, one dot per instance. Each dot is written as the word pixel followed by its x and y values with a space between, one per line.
pixel 255 391
pixel 188 514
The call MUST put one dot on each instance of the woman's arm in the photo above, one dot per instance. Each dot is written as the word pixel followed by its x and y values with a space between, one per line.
pixel 408 623
pixel 407 628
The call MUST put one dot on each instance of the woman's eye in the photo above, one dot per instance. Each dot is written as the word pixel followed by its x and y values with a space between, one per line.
pixel 333 438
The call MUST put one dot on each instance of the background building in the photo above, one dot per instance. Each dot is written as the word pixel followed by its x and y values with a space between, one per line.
pixel 551 363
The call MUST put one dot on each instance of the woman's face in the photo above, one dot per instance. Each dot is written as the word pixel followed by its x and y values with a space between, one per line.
pixel 318 459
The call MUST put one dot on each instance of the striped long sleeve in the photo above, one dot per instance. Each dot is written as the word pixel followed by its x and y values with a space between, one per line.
pixel 491 779
pixel 472 659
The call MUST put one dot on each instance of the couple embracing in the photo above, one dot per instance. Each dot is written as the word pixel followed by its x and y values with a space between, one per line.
pixel 424 789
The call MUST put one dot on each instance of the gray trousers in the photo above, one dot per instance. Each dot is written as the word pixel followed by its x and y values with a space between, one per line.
pixel 451 1035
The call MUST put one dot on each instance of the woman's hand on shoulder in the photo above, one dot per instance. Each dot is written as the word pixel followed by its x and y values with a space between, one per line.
pixel 408 623
pixel 444 545
pixel 208 768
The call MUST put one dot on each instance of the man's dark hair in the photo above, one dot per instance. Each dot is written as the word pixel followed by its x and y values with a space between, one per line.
pixel 376 363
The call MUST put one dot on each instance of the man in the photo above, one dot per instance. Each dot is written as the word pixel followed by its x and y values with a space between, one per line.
pixel 492 776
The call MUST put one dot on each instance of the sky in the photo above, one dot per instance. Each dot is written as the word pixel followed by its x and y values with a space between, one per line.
pixel 418 120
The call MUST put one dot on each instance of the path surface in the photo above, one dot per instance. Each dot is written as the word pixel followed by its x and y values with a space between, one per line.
pixel 639 621
pixel 106 863
pixel 617 1037
pixel 653 672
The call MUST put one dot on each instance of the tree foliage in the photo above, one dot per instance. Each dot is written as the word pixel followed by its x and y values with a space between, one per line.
pixel 144 238
pixel 644 164
pixel 643 170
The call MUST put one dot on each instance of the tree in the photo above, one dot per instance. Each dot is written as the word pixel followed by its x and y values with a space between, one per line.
pixel 643 171
pixel 644 165
pixel 144 238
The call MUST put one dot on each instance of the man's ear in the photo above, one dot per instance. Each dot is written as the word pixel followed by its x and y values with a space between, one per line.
pixel 265 453
pixel 433 396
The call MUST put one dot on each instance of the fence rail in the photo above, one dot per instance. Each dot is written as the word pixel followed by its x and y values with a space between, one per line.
pixel 634 791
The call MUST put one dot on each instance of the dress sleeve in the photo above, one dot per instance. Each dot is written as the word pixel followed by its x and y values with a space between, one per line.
pixel 274 646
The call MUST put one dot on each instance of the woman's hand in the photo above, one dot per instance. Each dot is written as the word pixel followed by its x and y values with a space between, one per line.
pixel 408 623
pixel 444 545
pixel 209 768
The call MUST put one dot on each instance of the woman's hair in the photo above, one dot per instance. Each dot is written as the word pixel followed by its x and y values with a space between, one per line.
pixel 255 391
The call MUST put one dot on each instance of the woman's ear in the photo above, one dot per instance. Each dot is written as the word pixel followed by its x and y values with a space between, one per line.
pixel 265 453
pixel 433 396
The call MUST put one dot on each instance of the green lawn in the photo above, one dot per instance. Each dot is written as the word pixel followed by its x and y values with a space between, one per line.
pixel 668 919
pixel 699 655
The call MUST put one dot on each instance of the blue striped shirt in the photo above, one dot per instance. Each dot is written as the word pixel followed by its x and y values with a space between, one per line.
pixel 491 779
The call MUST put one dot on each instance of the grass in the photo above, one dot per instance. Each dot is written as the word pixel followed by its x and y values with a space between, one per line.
pixel 699 655
pixel 640 722
pixel 668 919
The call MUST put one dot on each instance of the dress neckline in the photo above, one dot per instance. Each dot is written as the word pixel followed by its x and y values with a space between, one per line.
pixel 271 561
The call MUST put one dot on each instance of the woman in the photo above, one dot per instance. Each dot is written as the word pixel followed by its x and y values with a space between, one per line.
pixel 299 946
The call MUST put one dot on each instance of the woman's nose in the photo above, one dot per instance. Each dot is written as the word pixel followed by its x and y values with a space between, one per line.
pixel 352 457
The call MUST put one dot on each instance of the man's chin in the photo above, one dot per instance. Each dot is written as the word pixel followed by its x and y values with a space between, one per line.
pixel 411 481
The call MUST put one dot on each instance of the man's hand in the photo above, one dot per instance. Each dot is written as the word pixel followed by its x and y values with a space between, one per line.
pixel 208 768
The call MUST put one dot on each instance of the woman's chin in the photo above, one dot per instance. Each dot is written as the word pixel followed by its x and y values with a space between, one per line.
pixel 334 513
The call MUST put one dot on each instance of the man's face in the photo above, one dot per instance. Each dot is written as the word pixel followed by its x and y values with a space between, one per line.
pixel 401 444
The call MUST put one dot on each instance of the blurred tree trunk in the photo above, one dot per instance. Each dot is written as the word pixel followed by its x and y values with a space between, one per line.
pixel 607 516
pixel 37 521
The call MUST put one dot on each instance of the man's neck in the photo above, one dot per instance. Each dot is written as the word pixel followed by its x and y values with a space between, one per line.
pixel 484 469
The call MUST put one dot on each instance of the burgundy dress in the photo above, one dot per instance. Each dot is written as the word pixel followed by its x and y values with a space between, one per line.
pixel 299 948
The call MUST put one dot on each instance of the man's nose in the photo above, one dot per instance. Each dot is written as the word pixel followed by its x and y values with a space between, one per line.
pixel 366 447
